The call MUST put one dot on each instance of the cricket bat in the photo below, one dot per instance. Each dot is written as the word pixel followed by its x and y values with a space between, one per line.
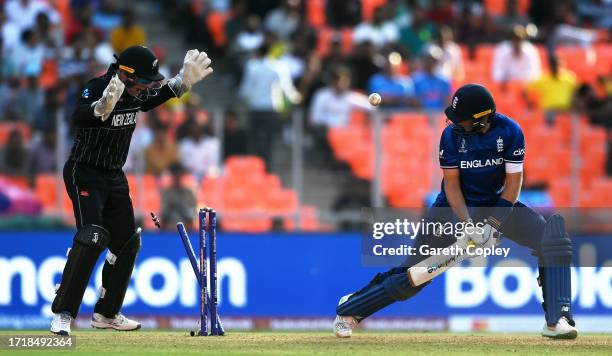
pixel 433 266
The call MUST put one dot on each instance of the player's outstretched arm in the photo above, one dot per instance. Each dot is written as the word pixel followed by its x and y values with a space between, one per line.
pixel 196 67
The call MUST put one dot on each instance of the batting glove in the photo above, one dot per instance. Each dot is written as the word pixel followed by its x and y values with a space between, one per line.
pixel 110 96
pixel 490 235
pixel 196 67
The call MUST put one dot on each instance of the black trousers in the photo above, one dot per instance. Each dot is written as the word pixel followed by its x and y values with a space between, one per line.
pixel 101 197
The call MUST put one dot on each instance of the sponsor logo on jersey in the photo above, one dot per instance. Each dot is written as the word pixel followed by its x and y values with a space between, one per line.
pixel 479 163
pixel 500 144
pixel 85 93
pixel 124 119
pixel 519 152
pixel 441 153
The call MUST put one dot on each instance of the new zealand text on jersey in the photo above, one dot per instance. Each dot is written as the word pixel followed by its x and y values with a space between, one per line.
pixel 478 163
pixel 124 119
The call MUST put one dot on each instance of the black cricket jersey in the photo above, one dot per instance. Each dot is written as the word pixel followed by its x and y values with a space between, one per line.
pixel 105 144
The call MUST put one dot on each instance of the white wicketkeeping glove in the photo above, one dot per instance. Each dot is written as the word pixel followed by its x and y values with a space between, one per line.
pixel 196 67
pixel 110 96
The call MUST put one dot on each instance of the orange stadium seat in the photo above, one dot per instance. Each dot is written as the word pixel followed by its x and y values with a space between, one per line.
pixel 45 189
pixel 324 40
pixel 245 223
pixel 368 7
pixel 315 12
pixel 279 202
pixel 245 166
pixel 237 199
pixel 346 40
pixel 498 7
pixel 7 127
pixel 216 25
pixel 561 192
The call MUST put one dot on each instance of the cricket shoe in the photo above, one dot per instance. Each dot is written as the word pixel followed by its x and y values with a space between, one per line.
pixel 60 325
pixel 119 322
pixel 563 330
pixel 343 325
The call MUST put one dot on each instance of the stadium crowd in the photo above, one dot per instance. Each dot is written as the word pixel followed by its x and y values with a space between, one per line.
pixel 324 56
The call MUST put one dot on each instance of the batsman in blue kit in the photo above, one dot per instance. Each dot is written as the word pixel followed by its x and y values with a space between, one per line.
pixel 481 155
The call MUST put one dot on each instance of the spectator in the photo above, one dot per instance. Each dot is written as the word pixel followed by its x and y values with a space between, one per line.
pixel 10 34
pixel 381 31
pixel 23 13
pixel 516 59
pixel 161 153
pixel 251 37
pixel 554 90
pixel 332 105
pixel 597 12
pixel 342 13
pixel 474 27
pixel 11 106
pixel 395 89
pixel 31 98
pixel 127 34
pixel 365 62
pixel 106 17
pixel 284 20
pixel 50 38
pixel 14 155
pixel 415 36
pixel 431 89
pixel 42 154
pixel 505 23
pixel 178 202
pixel 265 86
pixel 199 151
pixel 451 63
pixel 29 55
pixel 237 20
pixel 234 137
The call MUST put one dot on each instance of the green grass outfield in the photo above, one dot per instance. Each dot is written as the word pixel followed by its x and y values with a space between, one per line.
pixel 321 343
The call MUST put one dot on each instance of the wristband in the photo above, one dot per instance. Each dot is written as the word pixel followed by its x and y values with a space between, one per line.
pixel 500 212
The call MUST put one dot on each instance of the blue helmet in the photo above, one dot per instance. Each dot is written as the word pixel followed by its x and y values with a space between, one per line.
pixel 471 102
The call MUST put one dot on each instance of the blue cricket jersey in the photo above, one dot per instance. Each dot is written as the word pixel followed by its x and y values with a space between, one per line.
pixel 481 159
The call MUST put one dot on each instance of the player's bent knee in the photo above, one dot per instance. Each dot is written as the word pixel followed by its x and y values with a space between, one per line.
pixel 92 236
pixel 89 242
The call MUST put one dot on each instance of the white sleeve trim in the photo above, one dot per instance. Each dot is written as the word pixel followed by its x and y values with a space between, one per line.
pixel 514 167
pixel 446 167
pixel 507 160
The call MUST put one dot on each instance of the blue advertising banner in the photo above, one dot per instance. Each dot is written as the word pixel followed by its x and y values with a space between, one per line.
pixel 282 275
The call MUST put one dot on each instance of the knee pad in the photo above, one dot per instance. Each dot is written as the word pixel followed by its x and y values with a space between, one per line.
pixel 87 245
pixel 377 295
pixel 555 274
pixel 116 276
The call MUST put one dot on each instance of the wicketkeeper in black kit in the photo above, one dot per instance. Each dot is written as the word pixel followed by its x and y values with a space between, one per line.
pixel 105 119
